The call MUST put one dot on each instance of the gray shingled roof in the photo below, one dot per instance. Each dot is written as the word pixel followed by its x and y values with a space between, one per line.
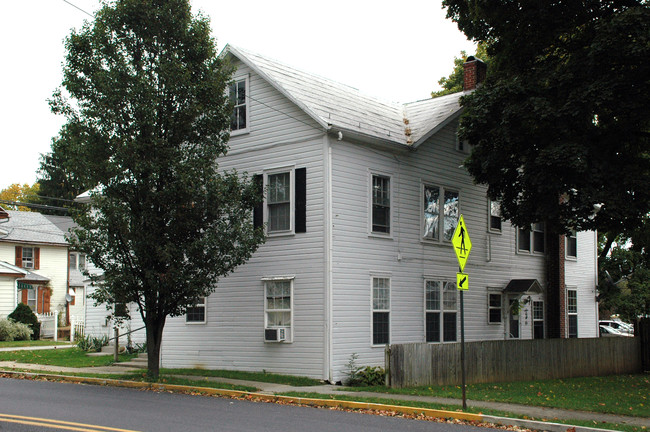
pixel 338 106
pixel 31 227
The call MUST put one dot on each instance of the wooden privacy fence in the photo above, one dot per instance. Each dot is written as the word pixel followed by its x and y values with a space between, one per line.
pixel 511 360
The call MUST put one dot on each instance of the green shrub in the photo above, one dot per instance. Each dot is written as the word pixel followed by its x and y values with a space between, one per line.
pixel 358 376
pixel 372 376
pixel 11 330
pixel 91 343
pixel 23 314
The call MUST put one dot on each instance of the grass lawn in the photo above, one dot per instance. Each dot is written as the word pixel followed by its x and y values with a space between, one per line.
pixel 399 402
pixel 68 357
pixel 250 376
pixel 617 394
pixel 12 344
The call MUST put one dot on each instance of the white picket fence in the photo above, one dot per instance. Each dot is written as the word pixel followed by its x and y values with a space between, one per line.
pixel 76 328
pixel 49 324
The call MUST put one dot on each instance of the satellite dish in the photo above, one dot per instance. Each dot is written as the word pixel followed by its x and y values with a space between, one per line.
pixel 68 298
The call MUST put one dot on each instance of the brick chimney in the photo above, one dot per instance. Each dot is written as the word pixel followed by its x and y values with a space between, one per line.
pixel 474 73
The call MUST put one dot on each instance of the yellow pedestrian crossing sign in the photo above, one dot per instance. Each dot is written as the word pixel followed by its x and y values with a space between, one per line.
pixel 462 281
pixel 461 242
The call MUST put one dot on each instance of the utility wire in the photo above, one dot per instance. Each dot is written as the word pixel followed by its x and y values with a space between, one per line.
pixel 77 7
pixel 32 205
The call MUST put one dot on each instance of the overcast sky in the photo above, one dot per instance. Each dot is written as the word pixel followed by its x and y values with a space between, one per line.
pixel 392 49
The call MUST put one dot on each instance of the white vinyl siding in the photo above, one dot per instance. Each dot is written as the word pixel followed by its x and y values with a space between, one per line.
pixel 281 138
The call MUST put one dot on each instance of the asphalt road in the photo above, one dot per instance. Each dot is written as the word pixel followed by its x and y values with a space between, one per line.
pixel 29 405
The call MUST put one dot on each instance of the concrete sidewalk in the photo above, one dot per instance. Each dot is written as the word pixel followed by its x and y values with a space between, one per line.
pixel 549 415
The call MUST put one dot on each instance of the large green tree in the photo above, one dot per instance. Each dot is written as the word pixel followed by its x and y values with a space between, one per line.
pixel 64 172
pixel 148 115
pixel 561 125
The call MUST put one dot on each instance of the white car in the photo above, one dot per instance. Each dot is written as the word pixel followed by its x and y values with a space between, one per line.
pixel 618 325
pixel 607 331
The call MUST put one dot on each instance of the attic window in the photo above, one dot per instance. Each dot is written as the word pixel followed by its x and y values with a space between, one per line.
pixel 238 94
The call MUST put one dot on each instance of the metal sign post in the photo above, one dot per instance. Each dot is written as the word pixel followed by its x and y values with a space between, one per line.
pixel 462 246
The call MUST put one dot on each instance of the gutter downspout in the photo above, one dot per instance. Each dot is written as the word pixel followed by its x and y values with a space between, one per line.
pixel 327 234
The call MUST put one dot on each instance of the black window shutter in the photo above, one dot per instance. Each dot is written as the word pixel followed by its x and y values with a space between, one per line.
pixel 258 211
pixel 301 200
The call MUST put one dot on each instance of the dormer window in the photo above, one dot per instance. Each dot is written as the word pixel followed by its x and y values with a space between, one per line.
pixel 238 92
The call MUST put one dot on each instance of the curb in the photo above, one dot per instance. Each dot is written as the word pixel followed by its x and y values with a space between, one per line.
pixel 428 412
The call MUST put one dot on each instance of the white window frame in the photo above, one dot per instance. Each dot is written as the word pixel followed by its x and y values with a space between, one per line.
pixel 72 260
pixel 204 305
pixel 27 262
pixel 530 231
pixel 32 297
pixel 374 277
pixel 537 318
pixel 491 215
pixel 441 217
pixel 291 170
pixel 246 80
pixel 463 146
pixel 572 310
pixel 571 238
pixel 267 310
pixel 490 308
pixel 441 310
pixel 371 231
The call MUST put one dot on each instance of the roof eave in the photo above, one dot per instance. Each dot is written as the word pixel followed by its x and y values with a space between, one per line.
pixel 354 136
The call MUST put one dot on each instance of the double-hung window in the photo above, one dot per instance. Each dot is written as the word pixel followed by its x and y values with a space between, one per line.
pixel 572 312
pixel 380 310
pixel 279 201
pixel 278 304
pixel 284 207
pixel 440 213
pixel 28 257
pixel 237 92
pixel 495 216
pixel 494 308
pixel 381 196
pixel 441 309
pixel 531 239
pixel 196 314
pixel 572 245
pixel 32 299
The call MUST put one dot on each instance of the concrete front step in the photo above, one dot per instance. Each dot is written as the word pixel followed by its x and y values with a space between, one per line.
pixel 141 362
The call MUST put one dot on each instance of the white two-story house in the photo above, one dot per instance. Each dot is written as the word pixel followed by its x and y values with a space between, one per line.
pixel 362 197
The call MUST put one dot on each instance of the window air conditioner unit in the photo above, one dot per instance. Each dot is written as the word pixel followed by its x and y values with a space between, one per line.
pixel 275 334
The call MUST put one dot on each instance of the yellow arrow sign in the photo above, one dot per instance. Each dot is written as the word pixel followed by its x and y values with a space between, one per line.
pixel 462 281
pixel 461 242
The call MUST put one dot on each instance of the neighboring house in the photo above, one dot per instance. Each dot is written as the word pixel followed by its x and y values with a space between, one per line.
pixel 362 197
pixel 30 243
pixel 76 307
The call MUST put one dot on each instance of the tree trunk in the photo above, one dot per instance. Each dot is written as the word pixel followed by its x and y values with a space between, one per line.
pixel 154 329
